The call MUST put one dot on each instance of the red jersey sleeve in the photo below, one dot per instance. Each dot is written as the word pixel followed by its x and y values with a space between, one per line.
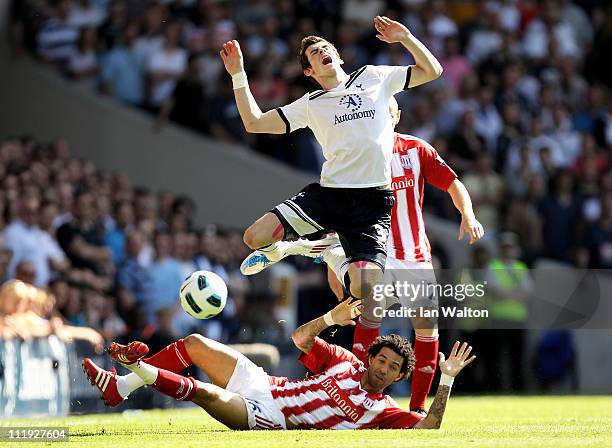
pixel 435 170
pixel 396 418
pixel 322 356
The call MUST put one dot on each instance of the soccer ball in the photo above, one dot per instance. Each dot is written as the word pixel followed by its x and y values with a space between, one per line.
pixel 203 294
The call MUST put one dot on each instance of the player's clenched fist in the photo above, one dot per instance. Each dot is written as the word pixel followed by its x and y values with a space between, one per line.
pixel 231 54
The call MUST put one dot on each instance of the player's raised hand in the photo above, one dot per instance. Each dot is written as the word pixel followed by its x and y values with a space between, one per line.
pixel 470 226
pixel 231 54
pixel 457 360
pixel 345 312
pixel 389 30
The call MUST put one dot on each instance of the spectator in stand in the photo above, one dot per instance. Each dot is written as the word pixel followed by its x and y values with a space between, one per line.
pixel 560 212
pixel 86 14
pixel 132 278
pixel 596 251
pixel 549 36
pixel 82 239
pixel 466 144
pixel 124 222
pixel 25 271
pixel 166 65
pixel 456 66
pixel 111 31
pixel 166 277
pixel 487 121
pixel 57 37
pixel 24 239
pixel 83 64
pixel 5 261
pixel 186 105
pixel 487 190
pixel 122 74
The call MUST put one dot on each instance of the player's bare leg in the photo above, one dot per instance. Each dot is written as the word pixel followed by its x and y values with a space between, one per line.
pixel 218 361
pixel 263 232
pixel 224 406
pixel 363 276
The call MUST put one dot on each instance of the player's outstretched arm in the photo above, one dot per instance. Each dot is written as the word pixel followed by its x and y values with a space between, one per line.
pixel 469 224
pixel 450 368
pixel 427 67
pixel 254 120
pixel 343 314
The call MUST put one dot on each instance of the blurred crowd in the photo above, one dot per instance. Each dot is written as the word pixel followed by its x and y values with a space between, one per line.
pixel 523 110
pixel 80 248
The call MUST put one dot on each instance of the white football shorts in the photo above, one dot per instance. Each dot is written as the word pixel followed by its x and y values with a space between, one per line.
pixel 251 382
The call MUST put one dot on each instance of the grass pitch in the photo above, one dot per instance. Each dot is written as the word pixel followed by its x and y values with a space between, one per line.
pixel 496 421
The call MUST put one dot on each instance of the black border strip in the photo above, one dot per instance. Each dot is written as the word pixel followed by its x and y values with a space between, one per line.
pixel 408 76
pixel 284 118
pixel 357 73
pixel 317 94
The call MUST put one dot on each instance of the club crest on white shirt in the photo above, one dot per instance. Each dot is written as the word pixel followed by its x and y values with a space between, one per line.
pixel 406 163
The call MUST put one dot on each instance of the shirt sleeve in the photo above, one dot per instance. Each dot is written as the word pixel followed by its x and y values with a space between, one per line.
pixel 395 78
pixel 435 170
pixel 295 115
pixel 396 418
pixel 322 356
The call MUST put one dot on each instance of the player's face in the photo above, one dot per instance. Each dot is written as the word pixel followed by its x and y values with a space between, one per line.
pixel 323 58
pixel 384 369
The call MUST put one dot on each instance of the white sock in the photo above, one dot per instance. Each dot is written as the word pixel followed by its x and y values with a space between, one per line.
pixel 336 259
pixel 146 372
pixel 126 384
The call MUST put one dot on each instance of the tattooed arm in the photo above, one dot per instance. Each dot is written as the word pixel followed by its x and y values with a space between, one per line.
pixel 342 314
pixel 450 368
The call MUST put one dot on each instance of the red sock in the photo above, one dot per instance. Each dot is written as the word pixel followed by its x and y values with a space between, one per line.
pixel 426 354
pixel 176 386
pixel 363 338
pixel 173 358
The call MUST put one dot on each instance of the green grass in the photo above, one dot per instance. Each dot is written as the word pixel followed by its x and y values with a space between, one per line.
pixel 498 421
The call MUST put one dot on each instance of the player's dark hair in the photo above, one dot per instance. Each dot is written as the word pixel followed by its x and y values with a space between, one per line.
pixel 399 345
pixel 307 42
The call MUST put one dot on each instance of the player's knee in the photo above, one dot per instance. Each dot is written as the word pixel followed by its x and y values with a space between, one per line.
pixel 194 343
pixel 250 238
pixel 364 286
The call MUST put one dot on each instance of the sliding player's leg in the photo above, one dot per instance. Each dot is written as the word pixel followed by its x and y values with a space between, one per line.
pixel 225 406
pixel 194 349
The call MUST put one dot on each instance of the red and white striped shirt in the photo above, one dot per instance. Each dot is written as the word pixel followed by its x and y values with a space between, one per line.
pixel 414 162
pixel 333 397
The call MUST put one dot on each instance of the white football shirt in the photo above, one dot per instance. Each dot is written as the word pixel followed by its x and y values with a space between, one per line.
pixel 352 124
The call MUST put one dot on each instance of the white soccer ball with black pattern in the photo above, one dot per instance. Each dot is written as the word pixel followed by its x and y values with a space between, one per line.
pixel 203 294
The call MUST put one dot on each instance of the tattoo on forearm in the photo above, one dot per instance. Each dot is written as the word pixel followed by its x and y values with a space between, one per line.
pixel 436 411
pixel 308 332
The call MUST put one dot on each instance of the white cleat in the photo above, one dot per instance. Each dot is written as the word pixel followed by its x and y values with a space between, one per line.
pixel 259 260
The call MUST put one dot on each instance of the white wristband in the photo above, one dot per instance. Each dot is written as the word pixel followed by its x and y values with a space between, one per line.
pixel 329 320
pixel 446 380
pixel 239 80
